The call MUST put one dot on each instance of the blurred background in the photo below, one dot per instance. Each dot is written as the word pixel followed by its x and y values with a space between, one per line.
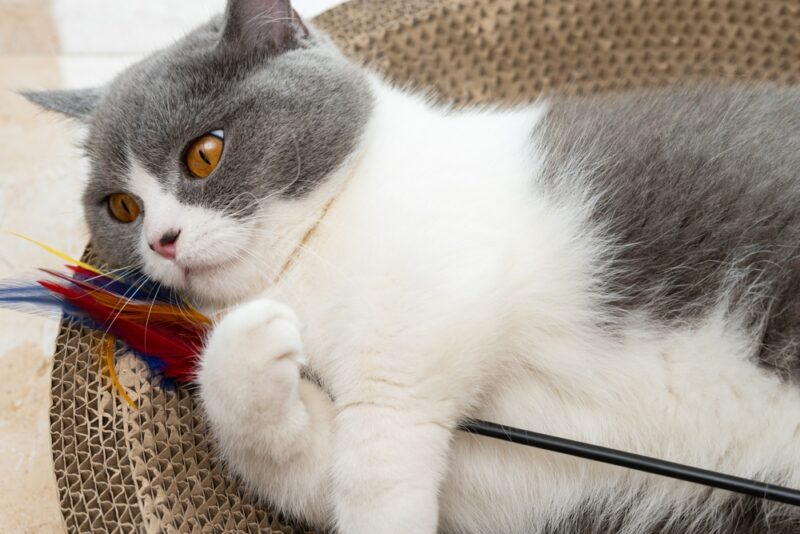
pixel 48 44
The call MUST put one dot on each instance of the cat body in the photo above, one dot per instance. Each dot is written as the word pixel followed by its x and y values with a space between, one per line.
pixel 445 283
pixel 620 270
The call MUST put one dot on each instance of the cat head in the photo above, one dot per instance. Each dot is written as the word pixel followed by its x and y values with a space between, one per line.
pixel 195 151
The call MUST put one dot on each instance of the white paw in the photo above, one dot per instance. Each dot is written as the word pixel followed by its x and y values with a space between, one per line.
pixel 251 363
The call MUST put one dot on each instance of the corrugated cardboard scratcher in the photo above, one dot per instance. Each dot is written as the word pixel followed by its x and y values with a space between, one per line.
pixel 154 469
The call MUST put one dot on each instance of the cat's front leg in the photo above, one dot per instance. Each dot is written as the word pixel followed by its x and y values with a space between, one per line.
pixel 272 426
pixel 391 458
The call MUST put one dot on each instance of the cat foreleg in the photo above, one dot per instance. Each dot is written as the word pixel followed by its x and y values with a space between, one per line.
pixel 272 426
pixel 390 459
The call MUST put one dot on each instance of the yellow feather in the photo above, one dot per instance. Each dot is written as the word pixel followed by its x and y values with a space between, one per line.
pixel 108 353
pixel 57 253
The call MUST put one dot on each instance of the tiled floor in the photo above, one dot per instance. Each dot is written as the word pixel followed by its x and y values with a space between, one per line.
pixel 52 44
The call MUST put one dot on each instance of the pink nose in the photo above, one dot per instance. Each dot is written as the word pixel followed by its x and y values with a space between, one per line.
pixel 166 246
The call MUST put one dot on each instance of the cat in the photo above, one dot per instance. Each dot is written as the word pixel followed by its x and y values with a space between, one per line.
pixel 620 269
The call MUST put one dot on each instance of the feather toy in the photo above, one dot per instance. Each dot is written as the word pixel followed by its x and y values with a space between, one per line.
pixel 155 323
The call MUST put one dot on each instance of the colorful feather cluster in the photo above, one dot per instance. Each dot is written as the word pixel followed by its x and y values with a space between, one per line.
pixel 153 322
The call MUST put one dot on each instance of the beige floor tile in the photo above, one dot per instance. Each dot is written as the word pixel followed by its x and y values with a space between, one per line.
pixel 26 28
pixel 39 195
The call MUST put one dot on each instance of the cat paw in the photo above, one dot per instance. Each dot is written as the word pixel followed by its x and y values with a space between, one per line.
pixel 251 363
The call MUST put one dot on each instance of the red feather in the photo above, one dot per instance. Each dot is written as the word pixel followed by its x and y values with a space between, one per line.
pixel 175 343
pixel 158 325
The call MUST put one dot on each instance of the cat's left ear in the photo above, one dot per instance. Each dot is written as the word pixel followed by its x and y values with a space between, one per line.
pixel 263 24
pixel 74 103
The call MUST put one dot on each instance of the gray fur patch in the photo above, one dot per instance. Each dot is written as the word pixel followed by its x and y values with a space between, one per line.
pixel 736 515
pixel 700 189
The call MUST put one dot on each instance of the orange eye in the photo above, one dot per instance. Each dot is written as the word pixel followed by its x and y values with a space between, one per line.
pixel 123 207
pixel 204 153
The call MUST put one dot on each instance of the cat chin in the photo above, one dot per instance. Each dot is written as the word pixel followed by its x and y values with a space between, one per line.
pixel 205 288
pixel 220 285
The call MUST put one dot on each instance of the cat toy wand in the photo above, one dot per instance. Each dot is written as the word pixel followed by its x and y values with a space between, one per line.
pixel 746 486
pixel 168 334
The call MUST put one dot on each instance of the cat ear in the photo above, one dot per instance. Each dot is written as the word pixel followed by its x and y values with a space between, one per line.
pixel 75 103
pixel 266 24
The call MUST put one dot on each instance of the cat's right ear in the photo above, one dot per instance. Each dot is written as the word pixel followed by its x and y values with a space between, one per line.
pixel 74 103
pixel 269 25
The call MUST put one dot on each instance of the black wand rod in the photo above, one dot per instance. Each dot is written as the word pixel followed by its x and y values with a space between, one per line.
pixel 746 486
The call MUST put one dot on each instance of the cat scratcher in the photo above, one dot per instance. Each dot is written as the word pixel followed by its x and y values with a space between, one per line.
pixel 154 469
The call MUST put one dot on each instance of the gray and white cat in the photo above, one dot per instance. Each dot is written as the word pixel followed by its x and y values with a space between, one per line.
pixel 622 270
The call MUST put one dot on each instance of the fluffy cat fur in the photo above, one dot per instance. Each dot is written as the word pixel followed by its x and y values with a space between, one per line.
pixel 621 269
